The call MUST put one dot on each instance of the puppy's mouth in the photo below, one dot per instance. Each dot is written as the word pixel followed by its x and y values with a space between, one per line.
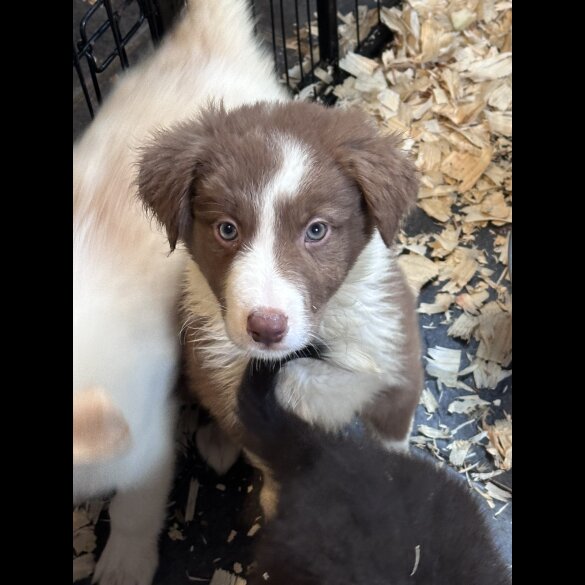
pixel 285 349
pixel 282 356
pixel 272 352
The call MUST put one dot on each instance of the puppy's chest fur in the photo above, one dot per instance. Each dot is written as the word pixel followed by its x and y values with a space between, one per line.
pixel 362 330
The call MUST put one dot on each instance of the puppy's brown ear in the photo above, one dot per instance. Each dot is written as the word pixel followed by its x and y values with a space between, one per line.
pixel 167 171
pixel 386 178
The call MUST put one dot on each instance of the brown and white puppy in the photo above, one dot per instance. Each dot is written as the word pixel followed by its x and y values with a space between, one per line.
pixel 288 211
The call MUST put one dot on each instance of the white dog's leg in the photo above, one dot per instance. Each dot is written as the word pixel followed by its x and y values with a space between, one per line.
pixel 136 519
pixel 217 448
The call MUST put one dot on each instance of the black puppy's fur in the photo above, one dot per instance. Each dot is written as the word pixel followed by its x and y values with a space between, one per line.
pixel 351 513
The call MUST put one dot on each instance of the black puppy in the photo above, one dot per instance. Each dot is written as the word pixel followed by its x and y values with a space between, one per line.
pixel 352 513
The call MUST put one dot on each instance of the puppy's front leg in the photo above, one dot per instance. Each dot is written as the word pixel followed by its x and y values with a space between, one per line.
pixel 137 516
pixel 391 414
pixel 329 396
pixel 323 393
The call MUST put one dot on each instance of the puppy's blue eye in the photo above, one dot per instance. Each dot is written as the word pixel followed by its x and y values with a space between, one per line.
pixel 316 231
pixel 227 231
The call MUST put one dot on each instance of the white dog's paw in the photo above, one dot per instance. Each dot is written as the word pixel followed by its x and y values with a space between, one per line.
pixel 217 448
pixel 127 561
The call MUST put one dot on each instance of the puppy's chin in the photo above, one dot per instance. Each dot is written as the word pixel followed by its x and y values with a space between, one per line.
pixel 274 352
pixel 270 354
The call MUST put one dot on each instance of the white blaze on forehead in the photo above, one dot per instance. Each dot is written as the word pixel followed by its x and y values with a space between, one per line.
pixel 296 162
pixel 255 279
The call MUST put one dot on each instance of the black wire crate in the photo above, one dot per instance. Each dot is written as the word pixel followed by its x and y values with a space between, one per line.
pixel 110 35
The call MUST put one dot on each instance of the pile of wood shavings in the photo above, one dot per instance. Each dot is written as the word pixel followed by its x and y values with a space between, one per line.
pixel 445 86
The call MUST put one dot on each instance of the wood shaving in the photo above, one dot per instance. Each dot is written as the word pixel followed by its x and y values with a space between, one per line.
pixel 433 433
pixel 500 96
pixel 501 244
pixel 461 19
pixel 358 65
pixel 467 404
pixel 83 567
pixel 231 535
pixel 493 208
pixel 443 364
pixel 221 577
pixel 458 452
pixel 429 401
pixel 80 518
pixel 488 475
pixel 495 334
pixel 500 122
pixel 489 374
pixel 445 242
pixel 459 268
pixel 418 270
pixel 175 533
pixel 464 326
pixel 389 99
pixel 441 304
pixel 191 500
pixel 438 208
pixel 479 437
pixel 416 559
pixel 500 438
pixel 497 493
pixel 472 303
pixel 254 529
pixel 84 540
pixel 495 66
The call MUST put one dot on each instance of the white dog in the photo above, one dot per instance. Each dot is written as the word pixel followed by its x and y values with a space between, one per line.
pixel 125 284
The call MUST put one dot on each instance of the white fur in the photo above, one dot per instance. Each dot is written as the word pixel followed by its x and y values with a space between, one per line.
pixel 296 165
pixel 126 284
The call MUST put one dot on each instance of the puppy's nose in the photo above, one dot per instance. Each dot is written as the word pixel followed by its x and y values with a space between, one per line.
pixel 267 325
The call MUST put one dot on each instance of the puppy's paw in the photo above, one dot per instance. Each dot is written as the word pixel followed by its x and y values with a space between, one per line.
pixel 217 448
pixel 127 561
